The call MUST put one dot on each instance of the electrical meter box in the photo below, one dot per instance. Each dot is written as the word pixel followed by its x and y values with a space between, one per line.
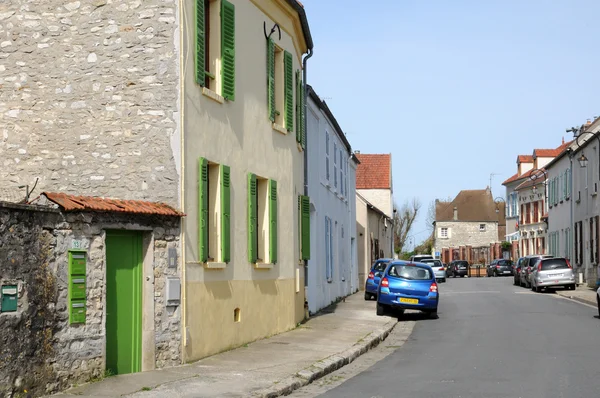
pixel 77 285
pixel 9 298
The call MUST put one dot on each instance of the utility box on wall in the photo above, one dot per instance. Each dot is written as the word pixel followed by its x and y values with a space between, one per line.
pixel 77 285
pixel 9 298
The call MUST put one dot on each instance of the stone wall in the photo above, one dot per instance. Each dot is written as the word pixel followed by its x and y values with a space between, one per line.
pixel 465 234
pixel 89 100
pixel 39 350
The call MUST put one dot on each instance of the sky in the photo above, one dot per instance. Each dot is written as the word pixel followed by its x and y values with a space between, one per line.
pixel 455 90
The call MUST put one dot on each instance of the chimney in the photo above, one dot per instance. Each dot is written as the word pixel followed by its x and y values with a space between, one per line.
pixel 563 140
pixel 588 122
pixel 455 213
pixel 357 152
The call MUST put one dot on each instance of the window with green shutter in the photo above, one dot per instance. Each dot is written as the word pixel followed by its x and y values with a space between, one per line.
pixel 299 120
pixel 227 50
pixel 252 218
pixel 305 226
pixel 225 214
pixel 289 90
pixel 271 78
pixel 272 221
pixel 200 66
pixel 202 210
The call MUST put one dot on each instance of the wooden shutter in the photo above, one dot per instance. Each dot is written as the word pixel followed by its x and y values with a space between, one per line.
pixel 273 221
pixel 202 210
pixel 327 247
pixel 305 226
pixel 303 113
pixel 200 37
pixel 228 50
pixel 289 90
pixel 225 214
pixel 271 78
pixel 299 120
pixel 252 219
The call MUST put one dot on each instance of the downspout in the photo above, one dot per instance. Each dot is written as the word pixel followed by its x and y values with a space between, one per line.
pixel 571 228
pixel 304 119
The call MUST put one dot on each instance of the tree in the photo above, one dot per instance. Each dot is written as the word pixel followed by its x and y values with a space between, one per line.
pixel 403 222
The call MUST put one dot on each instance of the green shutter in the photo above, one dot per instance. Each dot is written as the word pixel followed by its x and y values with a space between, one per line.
pixel 200 35
pixel 288 67
pixel 272 221
pixel 228 50
pixel 271 78
pixel 252 219
pixel 298 107
pixel 225 214
pixel 203 210
pixel 305 220
pixel 302 114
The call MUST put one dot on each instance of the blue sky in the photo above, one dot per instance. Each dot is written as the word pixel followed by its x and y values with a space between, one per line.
pixel 455 90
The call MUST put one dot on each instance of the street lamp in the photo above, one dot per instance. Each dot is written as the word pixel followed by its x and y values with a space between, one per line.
pixel 534 176
pixel 583 161
pixel 496 200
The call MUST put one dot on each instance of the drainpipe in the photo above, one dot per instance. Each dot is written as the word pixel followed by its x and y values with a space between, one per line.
pixel 304 61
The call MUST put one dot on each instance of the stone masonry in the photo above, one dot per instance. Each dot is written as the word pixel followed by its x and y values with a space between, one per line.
pixel 39 350
pixel 89 97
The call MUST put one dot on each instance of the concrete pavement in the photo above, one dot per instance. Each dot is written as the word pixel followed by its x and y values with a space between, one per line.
pixel 491 340
pixel 265 368
pixel 583 294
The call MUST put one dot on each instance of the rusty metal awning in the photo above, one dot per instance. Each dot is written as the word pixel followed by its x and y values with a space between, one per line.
pixel 90 203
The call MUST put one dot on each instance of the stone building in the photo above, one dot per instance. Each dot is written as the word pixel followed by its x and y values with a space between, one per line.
pixel 79 274
pixel 470 222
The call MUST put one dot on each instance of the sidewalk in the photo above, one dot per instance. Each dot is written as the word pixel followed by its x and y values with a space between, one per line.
pixel 583 294
pixel 266 368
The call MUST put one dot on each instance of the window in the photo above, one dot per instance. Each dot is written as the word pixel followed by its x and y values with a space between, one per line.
pixel 335 165
pixel 444 232
pixel 528 213
pixel 341 174
pixel 328 249
pixel 213 212
pixel 568 175
pixel 578 242
pixel 536 214
pixel 280 86
pixel 215 46
pixel 304 226
pixel 327 155
pixel 481 227
pixel 262 220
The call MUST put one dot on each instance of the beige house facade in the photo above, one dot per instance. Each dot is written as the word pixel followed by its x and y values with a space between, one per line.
pixel 242 111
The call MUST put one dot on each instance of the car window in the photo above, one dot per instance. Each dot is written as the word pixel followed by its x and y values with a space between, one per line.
pixel 380 265
pixel 555 263
pixel 433 263
pixel 409 272
pixel 507 262
pixel 532 261
pixel 462 263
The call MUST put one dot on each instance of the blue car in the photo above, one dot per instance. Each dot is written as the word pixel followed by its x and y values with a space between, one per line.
pixel 408 286
pixel 374 277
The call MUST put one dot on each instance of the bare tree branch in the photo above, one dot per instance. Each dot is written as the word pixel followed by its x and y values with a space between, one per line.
pixel 403 221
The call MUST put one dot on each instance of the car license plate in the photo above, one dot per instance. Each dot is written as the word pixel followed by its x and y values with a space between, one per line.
pixel 507 272
pixel 556 276
pixel 409 301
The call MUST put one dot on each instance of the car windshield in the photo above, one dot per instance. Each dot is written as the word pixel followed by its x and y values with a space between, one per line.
pixel 508 263
pixel 462 263
pixel 433 263
pixel 380 265
pixel 555 263
pixel 409 272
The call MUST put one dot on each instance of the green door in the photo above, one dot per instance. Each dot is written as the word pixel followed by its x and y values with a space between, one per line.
pixel 123 302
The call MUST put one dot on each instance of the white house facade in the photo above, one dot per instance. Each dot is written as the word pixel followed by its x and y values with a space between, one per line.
pixel 332 270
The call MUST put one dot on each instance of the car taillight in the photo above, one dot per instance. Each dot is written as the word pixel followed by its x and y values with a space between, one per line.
pixel 385 282
pixel 442 269
pixel 569 264
pixel 540 266
pixel 497 266
pixel 433 288
pixel 371 275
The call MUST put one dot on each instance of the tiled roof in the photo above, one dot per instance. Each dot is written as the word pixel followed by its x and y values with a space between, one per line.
pixel 517 177
pixel 89 203
pixel 529 182
pixel 374 171
pixel 472 205
pixel 550 153
pixel 525 159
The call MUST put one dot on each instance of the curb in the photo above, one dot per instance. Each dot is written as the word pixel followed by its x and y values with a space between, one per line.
pixel 581 300
pixel 328 365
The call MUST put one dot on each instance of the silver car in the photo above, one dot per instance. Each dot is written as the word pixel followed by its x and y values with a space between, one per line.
pixel 527 267
pixel 438 268
pixel 552 272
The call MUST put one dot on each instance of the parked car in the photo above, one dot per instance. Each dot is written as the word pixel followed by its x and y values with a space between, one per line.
pixel 527 266
pixel 552 272
pixel 517 269
pixel 499 267
pixel 438 269
pixel 407 285
pixel 418 257
pixel 374 277
pixel 458 268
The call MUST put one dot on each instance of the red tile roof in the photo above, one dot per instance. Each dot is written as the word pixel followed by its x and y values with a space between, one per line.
pixel 525 159
pixel 78 203
pixel 550 153
pixel 538 177
pixel 518 177
pixel 374 171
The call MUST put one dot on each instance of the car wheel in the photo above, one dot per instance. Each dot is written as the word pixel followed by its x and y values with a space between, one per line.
pixel 380 309
pixel 444 280
pixel 515 281
pixel 432 314
pixel 367 296
pixel 572 287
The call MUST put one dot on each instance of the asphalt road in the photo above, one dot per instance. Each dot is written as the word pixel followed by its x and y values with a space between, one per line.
pixel 492 339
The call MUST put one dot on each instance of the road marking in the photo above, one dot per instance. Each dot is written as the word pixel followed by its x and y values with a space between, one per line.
pixel 473 291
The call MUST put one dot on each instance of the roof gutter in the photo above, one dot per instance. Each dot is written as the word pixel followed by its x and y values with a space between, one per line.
pixel 304 22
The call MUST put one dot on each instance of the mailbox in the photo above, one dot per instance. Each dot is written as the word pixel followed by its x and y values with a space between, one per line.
pixel 9 298
pixel 77 311
pixel 77 285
